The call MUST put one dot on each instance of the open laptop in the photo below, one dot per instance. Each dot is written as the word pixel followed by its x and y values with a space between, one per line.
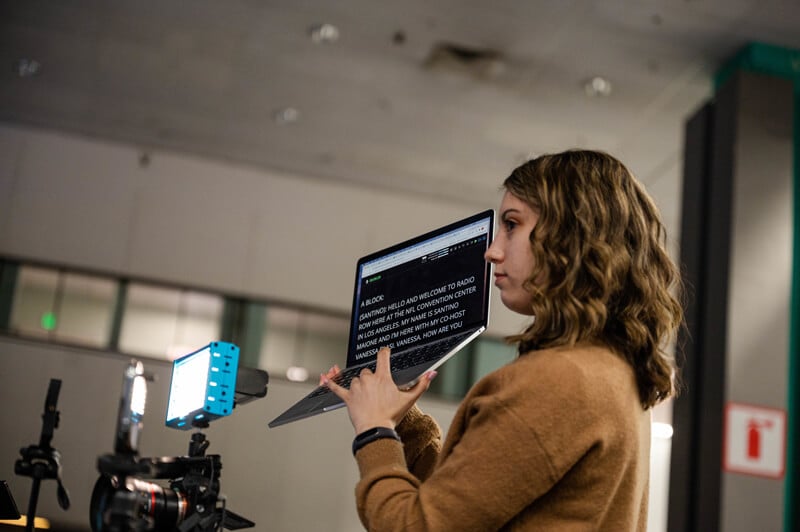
pixel 426 298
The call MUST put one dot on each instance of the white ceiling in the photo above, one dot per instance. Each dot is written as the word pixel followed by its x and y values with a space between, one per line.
pixel 377 106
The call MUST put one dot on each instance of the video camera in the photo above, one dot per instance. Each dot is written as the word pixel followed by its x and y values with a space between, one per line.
pixel 205 385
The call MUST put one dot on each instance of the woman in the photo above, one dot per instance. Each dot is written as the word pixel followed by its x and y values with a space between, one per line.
pixel 559 439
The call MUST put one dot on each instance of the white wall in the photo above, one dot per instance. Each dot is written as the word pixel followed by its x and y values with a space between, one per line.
pixel 182 219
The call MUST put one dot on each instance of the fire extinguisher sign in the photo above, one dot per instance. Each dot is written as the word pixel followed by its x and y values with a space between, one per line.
pixel 755 440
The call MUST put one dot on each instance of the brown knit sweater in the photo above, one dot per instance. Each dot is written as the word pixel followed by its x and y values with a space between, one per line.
pixel 556 440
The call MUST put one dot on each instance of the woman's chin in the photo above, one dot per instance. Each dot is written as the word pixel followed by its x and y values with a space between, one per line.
pixel 517 305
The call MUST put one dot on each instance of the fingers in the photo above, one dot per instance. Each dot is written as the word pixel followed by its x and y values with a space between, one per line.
pixel 382 367
pixel 382 371
pixel 342 393
pixel 331 373
pixel 421 386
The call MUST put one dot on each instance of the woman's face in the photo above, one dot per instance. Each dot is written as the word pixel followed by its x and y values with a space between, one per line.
pixel 511 253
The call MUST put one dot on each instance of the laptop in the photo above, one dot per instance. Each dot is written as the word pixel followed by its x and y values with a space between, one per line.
pixel 425 298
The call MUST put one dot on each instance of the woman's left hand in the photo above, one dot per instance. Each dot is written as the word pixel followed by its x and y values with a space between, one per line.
pixel 374 400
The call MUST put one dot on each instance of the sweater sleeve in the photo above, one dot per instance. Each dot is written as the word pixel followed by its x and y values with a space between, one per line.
pixel 496 469
pixel 422 442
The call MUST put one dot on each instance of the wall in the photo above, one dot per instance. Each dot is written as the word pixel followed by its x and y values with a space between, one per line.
pixel 92 204
pixel 760 283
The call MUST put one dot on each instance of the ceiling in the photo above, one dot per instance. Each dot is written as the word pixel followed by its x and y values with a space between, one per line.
pixel 437 98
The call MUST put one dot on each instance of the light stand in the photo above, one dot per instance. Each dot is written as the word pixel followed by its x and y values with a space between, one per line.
pixel 43 461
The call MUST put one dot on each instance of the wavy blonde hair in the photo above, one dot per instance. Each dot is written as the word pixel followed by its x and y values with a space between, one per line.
pixel 602 272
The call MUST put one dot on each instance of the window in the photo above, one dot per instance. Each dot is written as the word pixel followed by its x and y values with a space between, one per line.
pixel 301 344
pixel 34 298
pixel 85 309
pixel 168 322
pixel 489 355
pixel 157 321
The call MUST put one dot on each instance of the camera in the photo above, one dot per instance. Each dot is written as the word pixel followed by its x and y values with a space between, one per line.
pixel 179 493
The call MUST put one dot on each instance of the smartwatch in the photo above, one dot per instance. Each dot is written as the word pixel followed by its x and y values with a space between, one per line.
pixel 370 435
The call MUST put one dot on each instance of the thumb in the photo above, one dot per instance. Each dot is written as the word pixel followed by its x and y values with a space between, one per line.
pixel 422 386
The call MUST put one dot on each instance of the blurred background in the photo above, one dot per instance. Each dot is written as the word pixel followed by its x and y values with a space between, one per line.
pixel 177 172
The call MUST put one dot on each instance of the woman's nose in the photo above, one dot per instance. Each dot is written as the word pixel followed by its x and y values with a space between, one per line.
pixel 493 254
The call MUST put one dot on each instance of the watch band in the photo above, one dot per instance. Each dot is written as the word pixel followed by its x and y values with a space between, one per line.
pixel 370 435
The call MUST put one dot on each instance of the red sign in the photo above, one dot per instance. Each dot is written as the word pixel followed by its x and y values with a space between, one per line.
pixel 755 440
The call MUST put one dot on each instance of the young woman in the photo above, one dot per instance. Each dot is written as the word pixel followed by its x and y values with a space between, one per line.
pixel 559 439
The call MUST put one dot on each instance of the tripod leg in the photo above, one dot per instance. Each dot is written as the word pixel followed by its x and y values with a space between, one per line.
pixel 32 504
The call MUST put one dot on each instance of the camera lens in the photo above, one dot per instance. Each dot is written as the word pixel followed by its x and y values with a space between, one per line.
pixel 134 504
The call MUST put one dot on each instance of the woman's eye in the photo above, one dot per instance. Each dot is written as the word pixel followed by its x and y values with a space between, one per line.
pixel 509 225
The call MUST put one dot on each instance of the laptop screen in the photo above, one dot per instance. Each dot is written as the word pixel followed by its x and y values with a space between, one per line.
pixel 420 291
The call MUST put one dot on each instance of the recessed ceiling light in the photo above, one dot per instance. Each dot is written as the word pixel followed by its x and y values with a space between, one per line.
pixel 323 33
pixel 27 68
pixel 597 86
pixel 287 115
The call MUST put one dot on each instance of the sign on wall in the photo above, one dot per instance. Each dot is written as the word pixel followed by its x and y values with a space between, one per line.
pixel 755 440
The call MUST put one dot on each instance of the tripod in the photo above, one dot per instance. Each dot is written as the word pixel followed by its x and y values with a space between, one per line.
pixel 42 461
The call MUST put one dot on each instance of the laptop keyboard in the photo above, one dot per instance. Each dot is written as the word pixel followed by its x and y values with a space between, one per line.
pixel 400 361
